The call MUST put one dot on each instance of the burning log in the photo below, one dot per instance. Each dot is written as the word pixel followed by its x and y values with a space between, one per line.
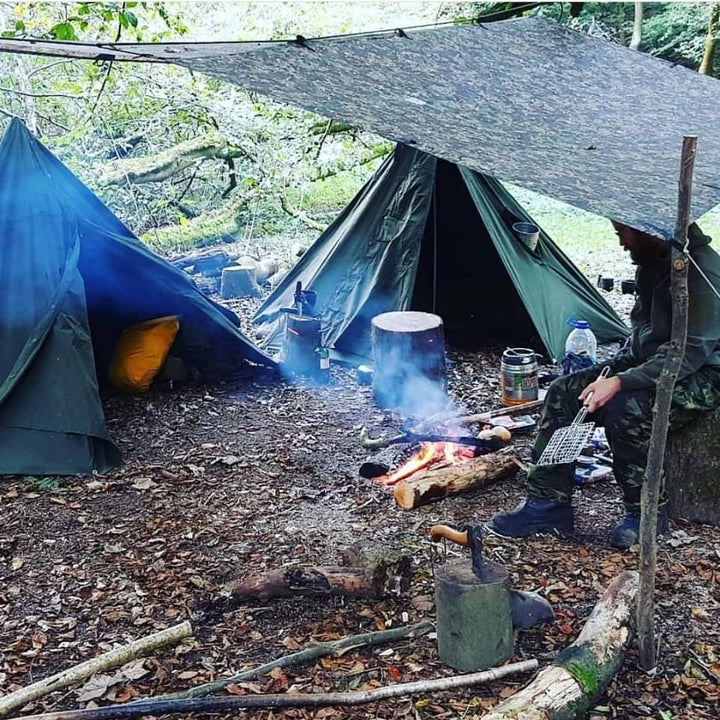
pixel 436 483
pixel 378 573
pixel 408 359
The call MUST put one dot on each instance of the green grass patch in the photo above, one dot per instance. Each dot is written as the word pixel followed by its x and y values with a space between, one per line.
pixel 577 231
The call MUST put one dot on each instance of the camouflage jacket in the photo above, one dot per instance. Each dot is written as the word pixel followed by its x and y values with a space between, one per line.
pixel 641 361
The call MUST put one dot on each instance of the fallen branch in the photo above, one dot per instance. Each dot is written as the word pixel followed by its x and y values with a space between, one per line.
pixel 114 658
pixel 582 671
pixel 314 651
pixel 300 215
pixel 384 572
pixel 309 700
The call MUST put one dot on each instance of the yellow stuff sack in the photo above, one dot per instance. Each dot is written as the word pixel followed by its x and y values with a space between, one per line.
pixel 141 352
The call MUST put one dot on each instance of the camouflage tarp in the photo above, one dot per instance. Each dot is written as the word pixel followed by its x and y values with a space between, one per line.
pixel 529 101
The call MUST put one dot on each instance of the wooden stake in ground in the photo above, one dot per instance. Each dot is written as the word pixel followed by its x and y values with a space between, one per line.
pixel 310 700
pixel 428 485
pixel 661 413
pixel 114 658
pixel 578 678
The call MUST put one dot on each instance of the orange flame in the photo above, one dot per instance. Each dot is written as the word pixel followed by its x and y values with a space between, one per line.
pixel 430 453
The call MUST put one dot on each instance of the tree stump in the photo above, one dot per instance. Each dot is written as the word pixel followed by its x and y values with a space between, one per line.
pixel 692 470
pixel 409 362
pixel 238 281
pixel 300 344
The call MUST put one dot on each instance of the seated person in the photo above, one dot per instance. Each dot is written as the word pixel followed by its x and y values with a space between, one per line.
pixel 623 402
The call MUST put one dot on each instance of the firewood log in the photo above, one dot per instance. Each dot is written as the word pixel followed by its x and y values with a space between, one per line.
pixel 434 484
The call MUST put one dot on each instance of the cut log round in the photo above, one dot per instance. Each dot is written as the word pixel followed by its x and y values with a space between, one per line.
pixel 428 485
pixel 300 344
pixel 238 281
pixel 692 470
pixel 409 361
pixel 474 620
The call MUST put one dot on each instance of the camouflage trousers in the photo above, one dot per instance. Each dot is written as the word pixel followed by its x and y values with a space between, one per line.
pixel 627 419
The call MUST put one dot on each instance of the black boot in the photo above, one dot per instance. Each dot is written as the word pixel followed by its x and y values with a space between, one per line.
pixel 533 516
pixel 627 531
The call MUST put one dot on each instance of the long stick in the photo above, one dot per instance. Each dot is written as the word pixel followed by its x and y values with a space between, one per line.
pixel 114 658
pixel 661 414
pixel 221 704
pixel 311 652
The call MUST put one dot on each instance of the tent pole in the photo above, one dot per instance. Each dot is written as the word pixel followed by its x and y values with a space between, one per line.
pixel 434 209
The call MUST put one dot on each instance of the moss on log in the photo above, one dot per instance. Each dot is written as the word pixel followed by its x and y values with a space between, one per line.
pixel 575 682
pixel 168 163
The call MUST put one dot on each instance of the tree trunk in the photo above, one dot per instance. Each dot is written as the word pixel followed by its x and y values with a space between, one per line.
pixel 575 682
pixel 706 66
pixel 661 413
pixel 692 470
pixel 429 485
pixel 409 361
pixel 637 27
pixel 27 97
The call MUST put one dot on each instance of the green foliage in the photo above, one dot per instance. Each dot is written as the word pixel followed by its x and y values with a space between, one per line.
pixel 33 483
pixel 93 113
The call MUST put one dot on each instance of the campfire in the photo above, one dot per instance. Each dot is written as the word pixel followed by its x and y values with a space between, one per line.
pixel 445 464
pixel 431 454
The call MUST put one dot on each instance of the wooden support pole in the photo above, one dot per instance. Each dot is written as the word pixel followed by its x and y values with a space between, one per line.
pixel 661 413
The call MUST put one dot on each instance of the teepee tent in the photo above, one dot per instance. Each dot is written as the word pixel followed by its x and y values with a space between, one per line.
pixel 426 234
pixel 72 278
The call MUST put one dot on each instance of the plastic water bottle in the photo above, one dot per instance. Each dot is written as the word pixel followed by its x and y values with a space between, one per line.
pixel 581 339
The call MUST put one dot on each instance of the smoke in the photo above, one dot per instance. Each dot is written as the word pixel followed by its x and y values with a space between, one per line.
pixel 412 381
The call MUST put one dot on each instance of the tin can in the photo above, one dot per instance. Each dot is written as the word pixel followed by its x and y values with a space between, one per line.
pixel 519 376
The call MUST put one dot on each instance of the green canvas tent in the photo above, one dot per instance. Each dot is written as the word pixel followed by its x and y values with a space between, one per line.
pixel 426 234
pixel 72 277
